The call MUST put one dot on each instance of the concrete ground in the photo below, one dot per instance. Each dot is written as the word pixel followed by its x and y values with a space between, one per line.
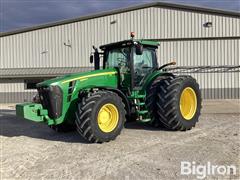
pixel 33 151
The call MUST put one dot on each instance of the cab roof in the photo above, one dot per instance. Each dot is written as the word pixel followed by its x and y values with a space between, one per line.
pixel 129 43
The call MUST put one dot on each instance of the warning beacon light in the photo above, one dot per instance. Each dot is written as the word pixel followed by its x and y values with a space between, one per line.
pixel 132 34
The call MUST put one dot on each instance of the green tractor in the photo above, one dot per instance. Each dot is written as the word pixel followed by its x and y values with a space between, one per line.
pixel 127 84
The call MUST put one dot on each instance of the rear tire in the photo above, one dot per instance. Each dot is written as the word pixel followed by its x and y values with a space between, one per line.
pixel 151 102
pixel 100 116
pixel 178 102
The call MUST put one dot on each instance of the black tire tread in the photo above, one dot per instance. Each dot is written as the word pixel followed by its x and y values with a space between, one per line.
pixel 83 113
pixel 150 102
pixel 167 102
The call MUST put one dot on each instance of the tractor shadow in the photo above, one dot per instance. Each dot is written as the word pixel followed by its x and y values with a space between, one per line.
pixel 143 126
pixel 12 126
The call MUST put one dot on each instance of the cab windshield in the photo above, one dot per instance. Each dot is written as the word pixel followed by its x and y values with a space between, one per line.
pixel 118 57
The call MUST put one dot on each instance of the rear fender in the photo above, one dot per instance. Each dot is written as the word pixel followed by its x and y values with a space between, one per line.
pixel 152 77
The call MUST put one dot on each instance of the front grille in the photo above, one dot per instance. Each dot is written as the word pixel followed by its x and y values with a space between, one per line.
pixel 51 99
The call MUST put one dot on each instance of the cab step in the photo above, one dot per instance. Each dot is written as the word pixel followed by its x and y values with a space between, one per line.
pixel 142 112
pixel 145 120
pixel 141 96
pixel 141 104
pixel 137 97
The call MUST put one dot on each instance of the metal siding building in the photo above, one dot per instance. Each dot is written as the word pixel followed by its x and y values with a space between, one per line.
pixel 64 47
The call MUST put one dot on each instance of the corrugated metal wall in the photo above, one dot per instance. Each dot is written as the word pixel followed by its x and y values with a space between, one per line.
pixel 12 91
pixel 45 47
pixel 179 29
pixel 207 52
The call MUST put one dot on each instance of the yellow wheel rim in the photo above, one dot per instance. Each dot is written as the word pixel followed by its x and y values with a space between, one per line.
pixel 108 117
pixel 188 103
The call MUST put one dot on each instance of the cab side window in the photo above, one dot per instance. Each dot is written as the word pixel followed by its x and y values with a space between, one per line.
pixel 143 60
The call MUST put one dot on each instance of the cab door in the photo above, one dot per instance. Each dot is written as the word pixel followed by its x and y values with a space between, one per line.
pixel 120 58
pixel 143 65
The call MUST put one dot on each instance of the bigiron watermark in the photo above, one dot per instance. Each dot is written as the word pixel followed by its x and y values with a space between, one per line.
pixel 203 170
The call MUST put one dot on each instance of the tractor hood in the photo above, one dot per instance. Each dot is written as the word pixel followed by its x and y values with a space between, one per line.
pixel 95 75
pixel 59 96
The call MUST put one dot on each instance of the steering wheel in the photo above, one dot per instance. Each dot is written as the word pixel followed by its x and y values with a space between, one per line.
pixel 121 61
pixel 142 68
pixel 138 71
pixel 138 68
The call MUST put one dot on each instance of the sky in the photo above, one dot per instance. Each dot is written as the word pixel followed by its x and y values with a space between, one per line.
pixel 17 14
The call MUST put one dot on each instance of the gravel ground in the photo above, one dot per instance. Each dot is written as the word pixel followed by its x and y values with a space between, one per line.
pixel 33 151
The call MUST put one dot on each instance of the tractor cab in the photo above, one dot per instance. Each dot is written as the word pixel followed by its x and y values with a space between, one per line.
pixel 134 59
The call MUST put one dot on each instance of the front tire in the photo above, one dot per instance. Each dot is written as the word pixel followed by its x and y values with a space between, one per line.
pixel 178 102
pixel 100 116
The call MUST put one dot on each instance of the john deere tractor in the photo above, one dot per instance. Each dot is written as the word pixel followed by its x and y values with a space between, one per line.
pixel 127 84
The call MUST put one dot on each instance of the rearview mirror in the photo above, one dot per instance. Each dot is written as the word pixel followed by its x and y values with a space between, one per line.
pixel 91 59
pixel 139 49
pixel 95 57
